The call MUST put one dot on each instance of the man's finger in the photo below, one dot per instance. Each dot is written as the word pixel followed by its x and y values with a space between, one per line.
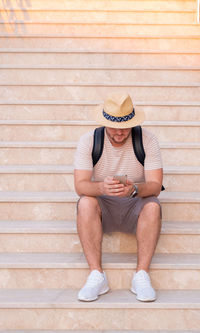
pixel 117 190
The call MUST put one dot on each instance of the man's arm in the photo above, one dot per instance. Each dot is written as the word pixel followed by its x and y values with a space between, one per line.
pixel 153 183
pixel 85 186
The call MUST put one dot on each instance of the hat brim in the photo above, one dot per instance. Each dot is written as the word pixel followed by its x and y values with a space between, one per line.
pixel 138 119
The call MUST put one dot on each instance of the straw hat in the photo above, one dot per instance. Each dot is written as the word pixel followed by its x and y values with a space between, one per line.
pixel 118 112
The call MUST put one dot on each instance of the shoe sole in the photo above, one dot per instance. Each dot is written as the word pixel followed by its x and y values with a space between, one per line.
pixel 140 299
pixel 94 299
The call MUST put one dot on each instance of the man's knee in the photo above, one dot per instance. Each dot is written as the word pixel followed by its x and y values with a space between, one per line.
pixel 152 210
pixel 88 205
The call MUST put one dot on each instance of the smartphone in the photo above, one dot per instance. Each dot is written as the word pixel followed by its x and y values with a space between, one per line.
pixel 122 178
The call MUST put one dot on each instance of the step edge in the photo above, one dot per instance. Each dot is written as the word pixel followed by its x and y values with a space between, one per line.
pixel 88 84
pixel 100 37
pixel 67 144
pixel 38 50
pixel 106 302
pixel 69 169
pixel 94 103
pixel 114 68
pixel 64 196
pixel 20 9
pixel 69 227
pixel 82 123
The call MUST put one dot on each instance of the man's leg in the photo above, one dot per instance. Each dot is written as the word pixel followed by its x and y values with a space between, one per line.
pixel 147 234
pixel 90 231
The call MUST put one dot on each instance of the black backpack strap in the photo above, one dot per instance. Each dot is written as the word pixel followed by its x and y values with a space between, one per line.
pixel 138 146
pixel 97 144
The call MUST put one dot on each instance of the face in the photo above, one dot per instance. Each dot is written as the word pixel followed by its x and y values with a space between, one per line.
pixel 118 136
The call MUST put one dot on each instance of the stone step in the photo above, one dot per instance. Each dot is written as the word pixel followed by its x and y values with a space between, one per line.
pixel 98 16
pixel 17 196
pixel 60 178
pixel 184 5
pixel 181 178
pixel 59 271
pixel 61 237
pixel 101 58
pixel 100 29
pixel 69 227
pixel 96 331
pixel 177 206
pixel 147 92
pixel 69 169
pixel 72 130
pixel 62 152
pixel 179 310
pixel 10 75
pixel 73 110
pixel 110 261
pixel 97 43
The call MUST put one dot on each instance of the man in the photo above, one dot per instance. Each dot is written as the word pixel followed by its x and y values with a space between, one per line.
pixel 108 205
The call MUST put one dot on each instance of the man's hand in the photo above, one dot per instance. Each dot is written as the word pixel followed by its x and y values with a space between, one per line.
pixel 113 187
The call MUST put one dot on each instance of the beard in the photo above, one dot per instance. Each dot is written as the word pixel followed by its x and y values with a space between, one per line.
pixel 117 140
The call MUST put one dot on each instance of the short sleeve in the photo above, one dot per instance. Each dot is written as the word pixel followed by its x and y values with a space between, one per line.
pixel 83 154
pixel 153 159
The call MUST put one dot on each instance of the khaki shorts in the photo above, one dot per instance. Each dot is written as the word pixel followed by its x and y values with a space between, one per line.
pixel 121 214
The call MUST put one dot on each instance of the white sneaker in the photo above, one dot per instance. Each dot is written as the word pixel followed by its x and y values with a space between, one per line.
pixel 96 285
pixel 141 286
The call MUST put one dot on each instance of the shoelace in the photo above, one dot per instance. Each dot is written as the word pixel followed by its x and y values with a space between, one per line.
pixel 143 281
pixel 92 281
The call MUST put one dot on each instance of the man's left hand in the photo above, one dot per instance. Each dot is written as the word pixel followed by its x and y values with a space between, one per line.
pixel 127 190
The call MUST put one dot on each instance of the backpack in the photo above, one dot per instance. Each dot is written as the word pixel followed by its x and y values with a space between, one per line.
pixel 138 147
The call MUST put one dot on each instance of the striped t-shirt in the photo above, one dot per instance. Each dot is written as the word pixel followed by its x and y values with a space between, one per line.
pixel 118 160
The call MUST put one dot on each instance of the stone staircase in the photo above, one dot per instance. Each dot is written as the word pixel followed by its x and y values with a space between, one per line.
pixel 58 60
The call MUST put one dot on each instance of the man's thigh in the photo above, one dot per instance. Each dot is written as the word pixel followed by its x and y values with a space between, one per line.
pixel 121 214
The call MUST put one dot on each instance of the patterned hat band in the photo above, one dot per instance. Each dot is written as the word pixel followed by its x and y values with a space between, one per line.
pixel 119 119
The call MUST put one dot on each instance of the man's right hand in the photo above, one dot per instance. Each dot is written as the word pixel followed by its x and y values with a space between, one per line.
pixel 112 187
